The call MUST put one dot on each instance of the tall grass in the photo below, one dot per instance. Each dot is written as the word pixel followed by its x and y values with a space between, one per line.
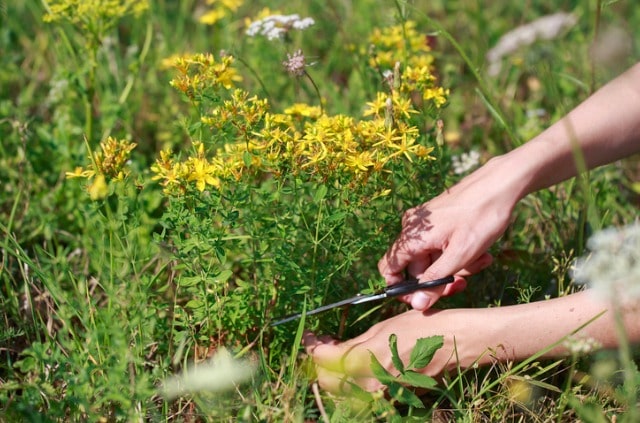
pixel 103 300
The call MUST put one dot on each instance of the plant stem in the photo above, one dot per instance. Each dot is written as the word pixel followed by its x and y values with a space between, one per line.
pixel 89 93
pixel 317 91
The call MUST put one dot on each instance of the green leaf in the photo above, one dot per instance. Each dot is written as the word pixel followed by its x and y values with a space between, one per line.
pixel 246 158
pixel 418 380
pixel 360 394
pixel 588 411
pixel 404 395
pixel 380 372
pixel 189 280
pixel 320 193
pixel 395 357
pixel 221 255
pixel 26 365
pixel 424 350
pixel 223 276
pixel 194 304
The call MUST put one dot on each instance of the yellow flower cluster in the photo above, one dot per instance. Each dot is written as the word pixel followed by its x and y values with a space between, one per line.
pixel 303 110
pixel 200 72
pixel 325 146
pixel 303 140
pixel 221 9
pixel 241 112
pixel 87 13
pixel 334 145
pixel 110 163
pixel 398 43
pixel 404 44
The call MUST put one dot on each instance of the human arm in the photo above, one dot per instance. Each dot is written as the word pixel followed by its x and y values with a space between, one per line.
pixel 451 233
pixel 471 336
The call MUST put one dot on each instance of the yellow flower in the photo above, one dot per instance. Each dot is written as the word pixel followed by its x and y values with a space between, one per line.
pixel 213 16
pixel 304 110
pixel 405 147
pixel 79 172
pixel 402 107
pixel 437 95
pixel 360 162
pixel 395 43
pixel 202 173
pixel 226 75
pixel 98 189
pixel 377 106
pixel 88 14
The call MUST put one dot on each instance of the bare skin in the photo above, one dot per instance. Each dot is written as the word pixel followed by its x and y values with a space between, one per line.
pixel 452 233
pixel 454 230
pixel 471 336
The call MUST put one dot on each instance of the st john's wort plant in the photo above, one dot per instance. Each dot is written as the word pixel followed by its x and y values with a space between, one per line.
pixel 271 208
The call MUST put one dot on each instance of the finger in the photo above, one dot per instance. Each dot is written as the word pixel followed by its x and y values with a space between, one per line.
pixel 340 384
pixel 325 351
pixel 479 264
pixel 399 256
pixel 334 382
pixel 419 264
pixel 458 285
pixel 310 341
pixel 422 300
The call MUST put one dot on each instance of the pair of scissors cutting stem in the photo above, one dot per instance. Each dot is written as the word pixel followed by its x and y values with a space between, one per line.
pixel 402 288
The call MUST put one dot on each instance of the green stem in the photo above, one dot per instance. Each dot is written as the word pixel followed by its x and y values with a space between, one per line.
pixel 255 75
pixel 483 88
pixel 89 94
pixel 402 13
pixel 317 91
pixel 596 30
pixel 624 351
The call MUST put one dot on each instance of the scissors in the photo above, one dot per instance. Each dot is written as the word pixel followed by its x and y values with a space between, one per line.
pixel 405 287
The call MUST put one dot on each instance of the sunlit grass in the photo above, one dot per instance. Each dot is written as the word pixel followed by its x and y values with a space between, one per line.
pixel 253 192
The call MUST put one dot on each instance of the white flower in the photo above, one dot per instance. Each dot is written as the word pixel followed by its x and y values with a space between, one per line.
pixel 580 345
pixel 545 28
pixel 612 268
pixel 221 373
pixel 57 91
pixel 465 162
pixel 276 26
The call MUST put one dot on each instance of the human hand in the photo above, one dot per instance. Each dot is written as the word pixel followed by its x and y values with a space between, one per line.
pixel 340 364
pixel 450 235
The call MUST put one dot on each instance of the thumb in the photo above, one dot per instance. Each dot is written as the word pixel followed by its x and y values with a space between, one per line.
pixel 323 350
pixel 447 264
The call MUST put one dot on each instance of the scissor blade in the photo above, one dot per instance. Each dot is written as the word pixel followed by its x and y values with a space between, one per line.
pixel 401 288
pixel 372 297
pixel 352 300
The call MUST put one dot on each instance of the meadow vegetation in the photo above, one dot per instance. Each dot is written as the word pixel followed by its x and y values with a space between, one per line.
pixel 178 174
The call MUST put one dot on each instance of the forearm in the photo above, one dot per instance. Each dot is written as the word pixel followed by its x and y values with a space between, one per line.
pixel 602 129
pixel 524 330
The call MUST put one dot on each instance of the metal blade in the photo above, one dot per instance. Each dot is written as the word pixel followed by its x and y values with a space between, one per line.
pixel 352 300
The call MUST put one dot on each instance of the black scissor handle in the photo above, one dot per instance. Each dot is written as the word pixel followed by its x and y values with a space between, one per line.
pixel 410 286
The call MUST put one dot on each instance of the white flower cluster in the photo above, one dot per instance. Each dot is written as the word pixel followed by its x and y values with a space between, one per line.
pixel 465 162
pixel 220 373
pixel 581 346
pixel 612 269
pixel 545 28
pixel 276 26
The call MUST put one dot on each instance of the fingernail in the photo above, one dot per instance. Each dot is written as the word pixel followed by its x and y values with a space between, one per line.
pixel 308 338
pixel 420 301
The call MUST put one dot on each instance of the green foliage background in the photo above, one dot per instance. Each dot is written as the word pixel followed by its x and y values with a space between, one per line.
pixel 103 300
